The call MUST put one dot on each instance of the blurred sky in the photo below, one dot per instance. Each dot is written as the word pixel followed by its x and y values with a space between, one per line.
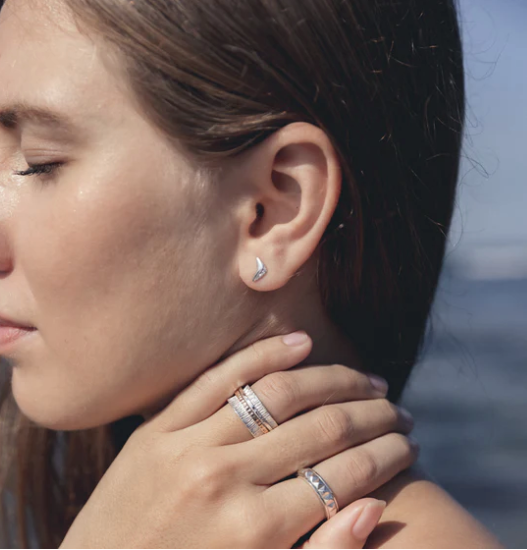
pixel 490 225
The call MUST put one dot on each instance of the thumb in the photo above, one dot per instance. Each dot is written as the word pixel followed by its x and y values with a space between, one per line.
pixel 349 527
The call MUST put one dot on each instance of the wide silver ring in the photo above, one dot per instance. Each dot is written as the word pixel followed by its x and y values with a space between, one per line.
pixel 325 494
pixel 252 411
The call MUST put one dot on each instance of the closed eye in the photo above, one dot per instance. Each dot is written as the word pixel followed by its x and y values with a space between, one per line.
pixel 39 169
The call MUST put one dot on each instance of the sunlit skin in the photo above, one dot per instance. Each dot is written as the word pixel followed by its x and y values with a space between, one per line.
pixel 136 271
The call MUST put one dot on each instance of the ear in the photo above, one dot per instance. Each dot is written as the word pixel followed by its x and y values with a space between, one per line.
pixel 292 184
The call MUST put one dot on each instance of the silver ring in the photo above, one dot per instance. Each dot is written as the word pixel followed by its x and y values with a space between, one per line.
pixel 268 421
pixel 252 411
pixel 331 506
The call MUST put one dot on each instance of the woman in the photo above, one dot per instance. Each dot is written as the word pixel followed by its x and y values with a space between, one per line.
pixel 198 156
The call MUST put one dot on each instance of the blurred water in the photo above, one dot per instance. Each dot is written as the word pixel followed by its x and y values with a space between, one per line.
pixel 469 399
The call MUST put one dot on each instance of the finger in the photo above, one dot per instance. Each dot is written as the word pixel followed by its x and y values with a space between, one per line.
pixel 287 393
pixel 350 527
pixel 350 475
pixel 317 435
pixel 214 386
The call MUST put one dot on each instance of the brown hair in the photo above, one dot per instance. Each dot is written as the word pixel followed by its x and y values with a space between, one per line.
pixel 384 80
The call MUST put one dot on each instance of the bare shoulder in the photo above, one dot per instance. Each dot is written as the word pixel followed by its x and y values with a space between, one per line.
pixel 421 514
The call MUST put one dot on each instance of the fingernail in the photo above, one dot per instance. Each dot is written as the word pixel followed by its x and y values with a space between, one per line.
pixel 407 415
pixel 368 519
pixel 295 338
pixel 378 383
pixel 413 442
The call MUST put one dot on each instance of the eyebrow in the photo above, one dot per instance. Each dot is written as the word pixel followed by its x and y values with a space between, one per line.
pixel 12 115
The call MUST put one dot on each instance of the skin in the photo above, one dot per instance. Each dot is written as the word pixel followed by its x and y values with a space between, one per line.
pixel 135 269
pixel 127 216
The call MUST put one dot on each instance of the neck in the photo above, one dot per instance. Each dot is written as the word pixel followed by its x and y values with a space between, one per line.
pixel 295 308
pixel 330 345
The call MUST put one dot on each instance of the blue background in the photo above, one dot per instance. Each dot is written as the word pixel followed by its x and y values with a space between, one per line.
pixel 469 393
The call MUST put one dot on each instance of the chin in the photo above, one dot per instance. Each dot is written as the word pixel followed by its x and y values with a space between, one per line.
pixel 52 418
pixel 49 412
pixel 66 422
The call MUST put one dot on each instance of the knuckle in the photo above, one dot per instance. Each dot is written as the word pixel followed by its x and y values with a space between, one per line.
pixel 353 377
pixel 278 386
pixel 389 410
pixel 334 424
pixel 341 370
pixel 362 468
pixel 354 380
pixel 340 367
pixel 256 349
pixel 401 454
pixel 408 452
pixel 204 476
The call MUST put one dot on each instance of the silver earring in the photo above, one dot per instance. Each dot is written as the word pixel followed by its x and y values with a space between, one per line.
pixel 260 271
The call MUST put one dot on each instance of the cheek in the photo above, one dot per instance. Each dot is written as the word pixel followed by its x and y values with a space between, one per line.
pixel 93 238
pixel 114 279
pixel 77 249
pixel 115 342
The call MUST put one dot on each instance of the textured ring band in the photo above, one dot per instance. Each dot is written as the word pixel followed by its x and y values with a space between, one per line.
pixel 240 394
pixel 252 411
pixel 258 407
pixel 240 408
pixel 322 489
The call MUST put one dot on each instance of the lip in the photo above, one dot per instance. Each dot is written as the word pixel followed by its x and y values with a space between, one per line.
pixel 5 322
pixel 9 335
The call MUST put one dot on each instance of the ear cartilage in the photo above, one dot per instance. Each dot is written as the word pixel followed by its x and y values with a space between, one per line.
pixel 261 270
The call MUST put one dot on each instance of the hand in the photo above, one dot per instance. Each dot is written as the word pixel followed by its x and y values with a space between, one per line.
pixel 193 476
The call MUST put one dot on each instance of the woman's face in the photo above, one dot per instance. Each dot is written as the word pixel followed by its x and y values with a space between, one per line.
pixel 111 256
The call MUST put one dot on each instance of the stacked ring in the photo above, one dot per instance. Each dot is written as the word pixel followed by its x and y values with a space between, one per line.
pixel 259 422
pixel 252 411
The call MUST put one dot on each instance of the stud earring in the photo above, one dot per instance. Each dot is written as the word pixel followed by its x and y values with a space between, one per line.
pixel 260 271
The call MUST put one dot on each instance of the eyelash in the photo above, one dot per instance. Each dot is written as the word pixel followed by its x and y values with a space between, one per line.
pixel 47 170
